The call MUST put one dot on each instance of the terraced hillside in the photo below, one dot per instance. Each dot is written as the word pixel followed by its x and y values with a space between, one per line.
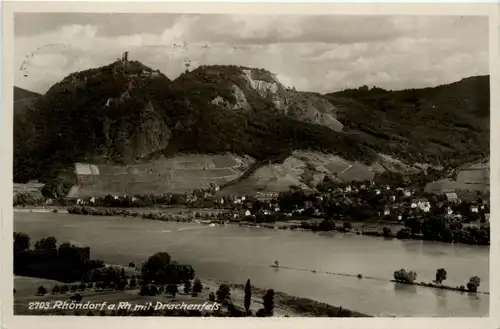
pixel 473 177
pixel 179 174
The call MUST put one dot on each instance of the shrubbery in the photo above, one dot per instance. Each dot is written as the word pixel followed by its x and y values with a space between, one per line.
pixel 405 277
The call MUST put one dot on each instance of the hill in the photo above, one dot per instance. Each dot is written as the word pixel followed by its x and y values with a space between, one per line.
pixel 23 99
pixel 126 115
pixel 126 112
pixel 445 125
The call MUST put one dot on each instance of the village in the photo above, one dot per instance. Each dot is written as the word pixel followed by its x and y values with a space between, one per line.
pixel 363 207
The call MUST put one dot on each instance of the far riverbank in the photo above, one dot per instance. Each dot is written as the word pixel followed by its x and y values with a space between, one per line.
pixel 211 216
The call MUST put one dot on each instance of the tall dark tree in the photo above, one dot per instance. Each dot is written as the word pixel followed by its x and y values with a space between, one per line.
pixel 268 300
pixel 248 296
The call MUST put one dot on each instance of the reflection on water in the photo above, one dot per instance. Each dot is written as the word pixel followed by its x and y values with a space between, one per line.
pixel 441 298
pixel 401 288
pixel 237 253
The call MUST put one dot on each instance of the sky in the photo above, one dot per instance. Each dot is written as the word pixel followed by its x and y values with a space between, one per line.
pixel 311 53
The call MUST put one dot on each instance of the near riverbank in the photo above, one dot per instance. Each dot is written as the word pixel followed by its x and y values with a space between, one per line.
pixel 284 305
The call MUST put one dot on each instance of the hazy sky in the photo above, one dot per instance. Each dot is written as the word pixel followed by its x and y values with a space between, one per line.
pixel 313 53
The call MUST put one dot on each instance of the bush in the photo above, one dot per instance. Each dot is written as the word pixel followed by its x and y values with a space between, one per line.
pixel 404 233
pixel 223 293
pixel 77 298
pixel 386 231
pixel 41 291
pixel 187 287
pixel 197 286
pixel 405 277
pixel 56 289
pixel 172 289
pixel 471 286
pixel 144 291
pixel 49 243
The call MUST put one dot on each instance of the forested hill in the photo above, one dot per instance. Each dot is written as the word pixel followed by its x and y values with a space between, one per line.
pixel 447 124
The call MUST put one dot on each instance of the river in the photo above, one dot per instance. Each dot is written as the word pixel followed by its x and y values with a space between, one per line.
pixel 237 253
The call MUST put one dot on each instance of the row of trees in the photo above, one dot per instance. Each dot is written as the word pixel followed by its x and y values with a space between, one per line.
pixel 409 277
pixel 223 296
pixel 66 262
pixel 437 229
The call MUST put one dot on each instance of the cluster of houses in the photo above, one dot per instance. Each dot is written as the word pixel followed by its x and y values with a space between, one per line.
pixel 404 201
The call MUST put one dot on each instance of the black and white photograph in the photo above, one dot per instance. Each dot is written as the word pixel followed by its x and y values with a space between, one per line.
pixel 253 165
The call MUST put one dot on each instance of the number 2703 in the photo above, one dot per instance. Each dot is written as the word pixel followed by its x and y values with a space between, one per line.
pixel 39 305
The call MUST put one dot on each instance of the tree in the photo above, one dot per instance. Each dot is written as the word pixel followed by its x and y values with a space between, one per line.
pixel 223 293
pixel 156 266
pixel 198 286
pixel 327 225
pixel 144 291
pixel 153 290
pixel 347 226
pixel 21 241
pixel 476 280
pixel 440 275
pixel 172 289
pixel 56 289
pixel 248 296
pixel 49 243
pixel 405 277
pixel 211 297
pixel 77 298
pixel 474 283
pixel 133 283
pixel 268 300
pixel 187 287
pixel 41 291
pixel 131 264
pixel 447 235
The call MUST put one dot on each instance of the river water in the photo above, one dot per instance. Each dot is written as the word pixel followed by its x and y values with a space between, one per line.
pixel 238 253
